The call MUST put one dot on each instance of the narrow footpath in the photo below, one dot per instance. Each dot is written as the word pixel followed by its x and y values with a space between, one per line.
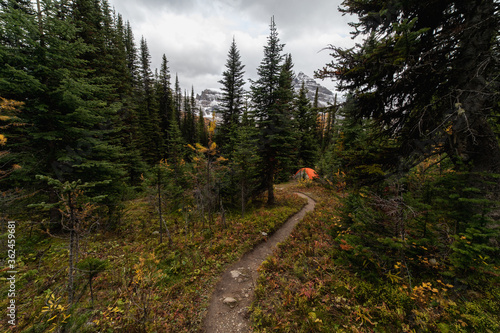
pixel 228 308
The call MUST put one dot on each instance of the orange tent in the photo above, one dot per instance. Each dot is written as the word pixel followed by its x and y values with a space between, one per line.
pixel 305 173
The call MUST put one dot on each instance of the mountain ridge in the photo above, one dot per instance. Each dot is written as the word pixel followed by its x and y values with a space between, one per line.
pixel 209 98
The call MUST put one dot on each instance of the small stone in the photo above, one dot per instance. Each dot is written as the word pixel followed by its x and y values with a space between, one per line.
pixel 231 301
pixel 235 274
pixel 156 232
pixel 264 233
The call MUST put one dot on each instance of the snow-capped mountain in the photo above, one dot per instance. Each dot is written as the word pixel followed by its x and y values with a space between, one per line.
pixel 325 96
pixel 208 100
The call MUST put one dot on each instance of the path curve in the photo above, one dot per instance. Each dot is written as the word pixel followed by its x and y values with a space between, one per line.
pixel 233 294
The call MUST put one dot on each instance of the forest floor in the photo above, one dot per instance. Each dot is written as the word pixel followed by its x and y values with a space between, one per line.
pixel 147 285
pixel 228 309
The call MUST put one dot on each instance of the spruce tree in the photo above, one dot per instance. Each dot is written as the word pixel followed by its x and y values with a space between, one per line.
pixel 89 20
pixel 188 124
pixel 165 97
pixel 178 99
pixel 68 137
pixel 306 129
pixel 286 138
pixel 201 130
pixel 231 103
pixel 245 160
pixel 131 50
pixel 152 142
pixel 427 72
pixel 175 142
pixel 124 79
pixel 19 48
pixel 270 103
pixel 192 116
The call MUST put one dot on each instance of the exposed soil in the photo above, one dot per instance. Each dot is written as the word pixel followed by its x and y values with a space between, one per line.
pixel 228 308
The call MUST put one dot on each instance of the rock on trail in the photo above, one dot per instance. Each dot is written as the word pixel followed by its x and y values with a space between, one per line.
pixel 228 308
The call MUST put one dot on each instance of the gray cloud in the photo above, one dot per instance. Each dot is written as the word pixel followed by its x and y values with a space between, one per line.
pixel 195 35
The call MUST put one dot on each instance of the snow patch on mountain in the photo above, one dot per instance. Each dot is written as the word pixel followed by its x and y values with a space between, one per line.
pixel 209 99
pixel 325 96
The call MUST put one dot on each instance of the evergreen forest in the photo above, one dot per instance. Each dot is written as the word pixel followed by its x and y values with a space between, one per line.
pixel 121 205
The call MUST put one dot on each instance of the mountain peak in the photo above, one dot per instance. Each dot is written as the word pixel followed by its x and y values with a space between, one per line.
pixel 208 100
pixel 325 96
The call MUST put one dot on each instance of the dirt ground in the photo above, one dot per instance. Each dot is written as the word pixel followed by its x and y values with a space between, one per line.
pixel 228 309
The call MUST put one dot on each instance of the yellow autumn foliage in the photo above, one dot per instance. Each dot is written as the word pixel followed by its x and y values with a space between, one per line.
pixel 7 105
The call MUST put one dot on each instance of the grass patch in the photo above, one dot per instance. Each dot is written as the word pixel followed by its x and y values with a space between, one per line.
pixel 146 286
pixel 322 280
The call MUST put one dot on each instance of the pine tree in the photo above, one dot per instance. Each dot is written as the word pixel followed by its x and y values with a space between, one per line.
pixel 320 121
pixel 20 48
pixel 165 97
pixel 188 126
pixel 192 117
pixel 231 103
pixel 306 124
pixel 175 142
pixel 131 50
pixel 68 137
pixel 286 137
pixel 178 99
pixel 201 130
pixel 123 66
pixel 270 104
pixel 245 160
pixel 77 214
pixel 89 20
pixel 152 143
pixel 426 73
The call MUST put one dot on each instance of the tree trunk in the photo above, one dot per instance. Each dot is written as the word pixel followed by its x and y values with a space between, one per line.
pixel 159 209
pixel 73 249
pixel 270 191
pixel 71 289
pixel 91 291
pixel 243 199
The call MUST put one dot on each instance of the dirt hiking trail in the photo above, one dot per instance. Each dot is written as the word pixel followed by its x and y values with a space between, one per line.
pixel 233 294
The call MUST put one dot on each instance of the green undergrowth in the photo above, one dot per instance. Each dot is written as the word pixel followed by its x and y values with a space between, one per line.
pixel 141 285
pixel 335 274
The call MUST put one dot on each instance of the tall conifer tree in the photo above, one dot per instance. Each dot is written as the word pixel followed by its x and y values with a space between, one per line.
pixel 245 160
pixel 188 126
pixel 131 49
pixel 149 119
pixel 165 96
pixel 68 136
pixel 178 99
pixel 201 130
pixel 286 138
pixel 428 74
pixel 270 102
pixel 306 125
pixel 230 108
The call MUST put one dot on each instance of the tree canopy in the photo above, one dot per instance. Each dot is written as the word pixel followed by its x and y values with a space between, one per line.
pixel 427 72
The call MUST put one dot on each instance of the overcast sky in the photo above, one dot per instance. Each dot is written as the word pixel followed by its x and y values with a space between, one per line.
pixel 195 35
